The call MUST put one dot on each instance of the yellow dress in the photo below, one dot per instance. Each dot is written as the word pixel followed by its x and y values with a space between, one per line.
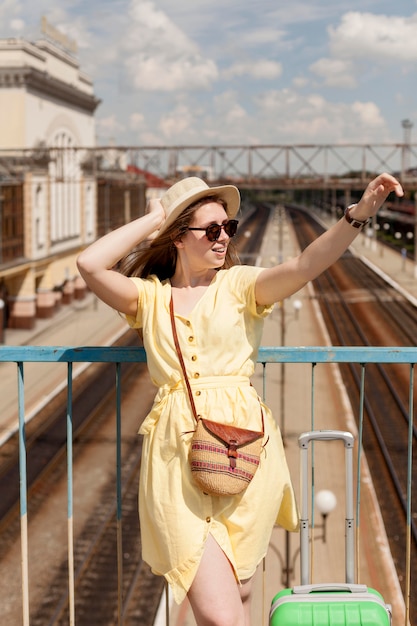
pixel 219 341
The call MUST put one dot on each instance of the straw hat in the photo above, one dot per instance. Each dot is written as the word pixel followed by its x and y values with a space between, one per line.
pixel 190 190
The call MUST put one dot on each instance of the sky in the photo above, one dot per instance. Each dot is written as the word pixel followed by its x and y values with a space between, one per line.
pixel 228 72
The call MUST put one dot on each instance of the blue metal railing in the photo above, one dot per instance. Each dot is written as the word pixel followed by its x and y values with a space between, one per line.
pixel 23 355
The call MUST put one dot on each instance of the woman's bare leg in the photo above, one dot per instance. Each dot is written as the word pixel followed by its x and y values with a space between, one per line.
pixel 215 596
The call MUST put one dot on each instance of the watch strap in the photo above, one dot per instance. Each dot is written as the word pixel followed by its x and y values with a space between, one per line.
pixel 352 221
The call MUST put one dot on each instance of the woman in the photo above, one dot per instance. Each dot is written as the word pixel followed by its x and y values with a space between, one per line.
pixel 207 547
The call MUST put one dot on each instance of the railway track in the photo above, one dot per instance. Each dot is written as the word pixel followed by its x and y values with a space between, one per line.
pixel 98 598
pixel 97 594
pixel 361 309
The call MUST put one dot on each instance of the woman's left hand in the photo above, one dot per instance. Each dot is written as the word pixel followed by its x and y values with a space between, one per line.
pixel 375 195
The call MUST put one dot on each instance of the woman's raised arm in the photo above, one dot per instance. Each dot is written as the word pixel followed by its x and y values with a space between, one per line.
pixel 95 263
pixel 281 281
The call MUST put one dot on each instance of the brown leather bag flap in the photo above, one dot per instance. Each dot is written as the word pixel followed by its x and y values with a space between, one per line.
pixel 231 435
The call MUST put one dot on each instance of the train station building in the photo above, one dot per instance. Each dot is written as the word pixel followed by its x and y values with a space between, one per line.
pixel 56 194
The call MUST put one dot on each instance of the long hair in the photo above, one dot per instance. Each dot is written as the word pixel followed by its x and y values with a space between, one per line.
pixel 159 257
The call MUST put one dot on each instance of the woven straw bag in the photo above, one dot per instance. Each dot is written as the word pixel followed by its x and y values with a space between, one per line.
pixel 224 458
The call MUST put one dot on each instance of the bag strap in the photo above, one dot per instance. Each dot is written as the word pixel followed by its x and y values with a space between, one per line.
pixel 184 371
pixel 178 348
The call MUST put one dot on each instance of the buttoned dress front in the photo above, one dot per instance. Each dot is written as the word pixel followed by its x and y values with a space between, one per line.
pixel 219 341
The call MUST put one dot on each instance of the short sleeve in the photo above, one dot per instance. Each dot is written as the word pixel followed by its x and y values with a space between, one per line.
pixel 146 293
pixel 242 281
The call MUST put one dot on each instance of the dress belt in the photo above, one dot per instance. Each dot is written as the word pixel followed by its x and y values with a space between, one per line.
pixel 215 382
pixel 204 382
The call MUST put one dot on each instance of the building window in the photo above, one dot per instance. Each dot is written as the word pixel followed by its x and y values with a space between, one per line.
pixel 65 175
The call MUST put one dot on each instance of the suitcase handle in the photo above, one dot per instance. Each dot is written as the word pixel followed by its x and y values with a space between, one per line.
pixel 303 442
pixel 352 588
pixel 326 435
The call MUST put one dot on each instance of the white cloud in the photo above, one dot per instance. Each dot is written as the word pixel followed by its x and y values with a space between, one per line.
pixel 312 118
pixel 160 57
pixel 11 18
pixel 161 73
pixel 17 25
pixel 374 37
pixel 108 128
pixel 275 116
pixel 177 123
pixel 368 114
pixel 136 121
pixel 335 72
pixel 262 69
pixel 262 36
pixel 300 82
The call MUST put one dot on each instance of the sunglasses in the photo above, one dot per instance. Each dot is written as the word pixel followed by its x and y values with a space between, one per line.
pixel 213 231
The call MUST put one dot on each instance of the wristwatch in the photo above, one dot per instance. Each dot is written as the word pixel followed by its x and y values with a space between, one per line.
pixel 352 221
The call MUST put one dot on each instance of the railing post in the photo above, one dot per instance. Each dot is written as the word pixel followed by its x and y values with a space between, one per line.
pixel 70 514
pixel 23 496
pixel 119 495
pixel 409 509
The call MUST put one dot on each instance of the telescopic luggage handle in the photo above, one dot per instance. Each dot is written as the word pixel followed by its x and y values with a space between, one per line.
pixel 304 442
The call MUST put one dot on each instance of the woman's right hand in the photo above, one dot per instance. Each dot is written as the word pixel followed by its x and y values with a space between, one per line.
pixel 155 206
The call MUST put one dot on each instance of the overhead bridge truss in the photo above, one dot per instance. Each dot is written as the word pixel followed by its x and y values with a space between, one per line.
pixel 268 166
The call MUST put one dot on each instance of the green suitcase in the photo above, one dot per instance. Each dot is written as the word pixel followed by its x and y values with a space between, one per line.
pixel 328 604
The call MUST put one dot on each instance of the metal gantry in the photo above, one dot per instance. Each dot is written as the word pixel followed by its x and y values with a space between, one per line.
pixel 286 166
